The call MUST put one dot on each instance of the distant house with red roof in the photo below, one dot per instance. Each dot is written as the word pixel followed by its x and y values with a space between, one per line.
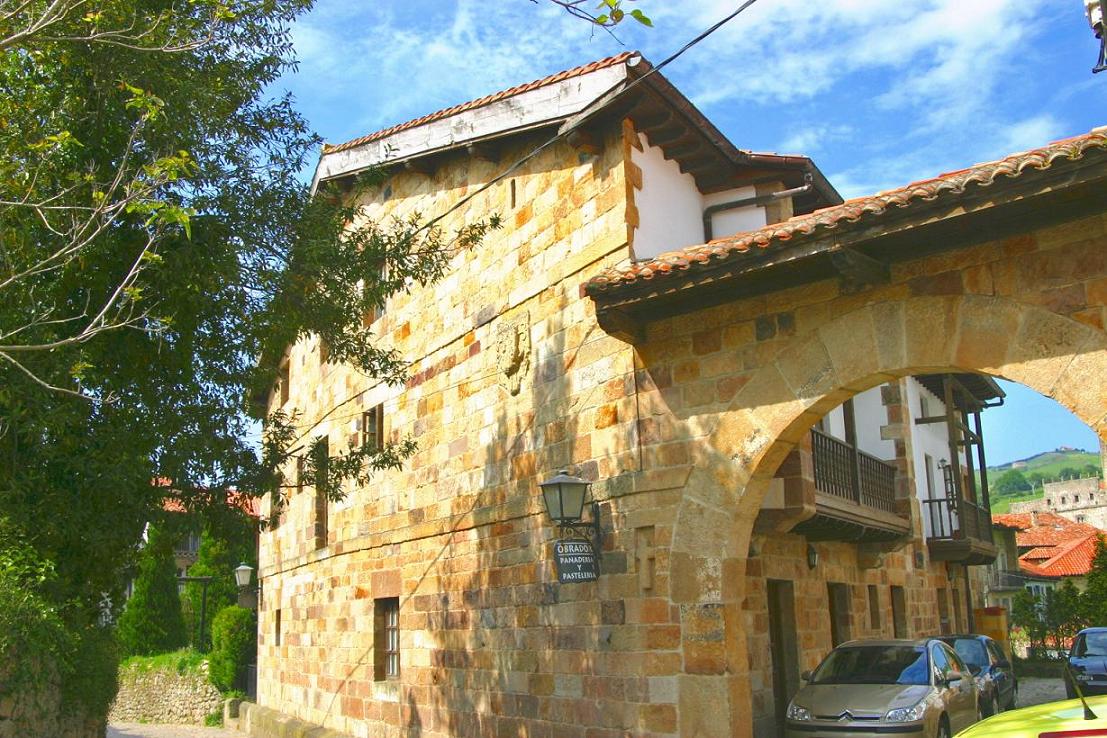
pixel 1038 551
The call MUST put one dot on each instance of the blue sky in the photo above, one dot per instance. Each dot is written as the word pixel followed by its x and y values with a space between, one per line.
pixel 878 92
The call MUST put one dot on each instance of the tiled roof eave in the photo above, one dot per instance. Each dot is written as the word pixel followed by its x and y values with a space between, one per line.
pixel 627 279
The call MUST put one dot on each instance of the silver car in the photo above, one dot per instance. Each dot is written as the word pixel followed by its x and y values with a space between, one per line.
pixel 913 689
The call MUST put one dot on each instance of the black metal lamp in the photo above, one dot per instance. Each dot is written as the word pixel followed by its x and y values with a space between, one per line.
pixel 1096 10
pixel 812 556
pixel 565 498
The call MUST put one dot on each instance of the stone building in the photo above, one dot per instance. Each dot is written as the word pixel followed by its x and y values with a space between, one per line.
pixel 1079 500
pixel 598 332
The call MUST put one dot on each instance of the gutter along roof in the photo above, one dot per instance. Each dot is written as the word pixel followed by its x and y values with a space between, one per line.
pixel 858 241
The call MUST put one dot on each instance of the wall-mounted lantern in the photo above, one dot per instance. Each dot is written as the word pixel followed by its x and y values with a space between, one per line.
pixel 1097 14
pixel 247 595
pixel 812 556
pixel 577 553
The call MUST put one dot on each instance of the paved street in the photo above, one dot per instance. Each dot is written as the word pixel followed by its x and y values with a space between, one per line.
pixel 1036 690
pixel 134 730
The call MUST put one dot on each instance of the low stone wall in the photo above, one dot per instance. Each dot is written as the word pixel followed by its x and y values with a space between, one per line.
pixel 263 722
pixel 164 696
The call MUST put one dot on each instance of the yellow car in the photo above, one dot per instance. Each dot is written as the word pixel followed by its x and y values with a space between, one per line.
pixel 1052 720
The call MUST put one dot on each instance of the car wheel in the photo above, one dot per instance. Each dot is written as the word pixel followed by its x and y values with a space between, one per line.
pixel 943 728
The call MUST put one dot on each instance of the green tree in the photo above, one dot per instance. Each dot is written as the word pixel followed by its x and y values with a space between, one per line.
pixel 156 239
pixel 1094 599
pixel 233 648
pixel 1011 482
pixel 151 621
pixel 1026 614
pixel 1062 615
pixel 1069 472
pixel 1092 470
pixel 221 550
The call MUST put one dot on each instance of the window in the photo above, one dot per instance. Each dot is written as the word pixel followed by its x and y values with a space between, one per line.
pixel 838 596
pixel 513 194
pixel 386 638
pixel 300 466
pixel 899 612
pixel 372 427
pixel 284 382
pixel 1081 518
pixel 874 607
pixel 321 456
pixel 277 628
pixel 924 405
pixel 324 351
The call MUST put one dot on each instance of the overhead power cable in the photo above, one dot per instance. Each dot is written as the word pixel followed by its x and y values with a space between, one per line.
pixel 562 134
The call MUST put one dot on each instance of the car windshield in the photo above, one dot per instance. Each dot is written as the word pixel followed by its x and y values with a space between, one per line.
pixel 1092 644
pixel 874 665
pixel 971 651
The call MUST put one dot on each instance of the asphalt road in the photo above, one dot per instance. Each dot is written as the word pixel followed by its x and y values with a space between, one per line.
pixel 1035 690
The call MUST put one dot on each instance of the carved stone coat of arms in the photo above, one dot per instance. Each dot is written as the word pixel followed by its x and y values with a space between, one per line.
pixel 513 352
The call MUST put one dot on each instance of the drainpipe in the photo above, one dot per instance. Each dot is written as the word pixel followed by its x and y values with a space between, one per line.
pixel 710 211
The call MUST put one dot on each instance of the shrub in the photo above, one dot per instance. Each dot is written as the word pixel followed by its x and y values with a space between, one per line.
pixel 221 550
pixel 234 644
pixel 151 621
pixel 95 681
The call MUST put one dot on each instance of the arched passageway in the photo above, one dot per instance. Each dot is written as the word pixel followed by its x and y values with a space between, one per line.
pixel 813 373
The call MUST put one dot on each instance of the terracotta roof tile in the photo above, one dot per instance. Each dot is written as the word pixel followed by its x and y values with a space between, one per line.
pixel 610 61
pixel 851 211
pixel 1052 535
pixel 1071 559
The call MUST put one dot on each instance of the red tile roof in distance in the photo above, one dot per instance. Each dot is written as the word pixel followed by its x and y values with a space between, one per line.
pixel 1072 559
pixel 610 61
pixel 674 263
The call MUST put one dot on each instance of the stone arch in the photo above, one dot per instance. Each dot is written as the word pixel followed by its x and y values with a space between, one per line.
pixel 1055 355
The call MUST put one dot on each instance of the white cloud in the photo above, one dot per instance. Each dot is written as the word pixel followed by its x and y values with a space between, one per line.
pixel 886 91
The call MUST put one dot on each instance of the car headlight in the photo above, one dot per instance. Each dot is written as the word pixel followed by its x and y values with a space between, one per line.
pixel 795 712
pixel 906 714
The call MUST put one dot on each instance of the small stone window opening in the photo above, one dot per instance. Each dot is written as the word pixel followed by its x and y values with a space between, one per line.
pixel 874 607
pixel 1076 498
pixel 277 628
pixel 284 382
pixel 1063 499
pixel 512 194
pixel 372 428
pixel 386 638
pixel 321 457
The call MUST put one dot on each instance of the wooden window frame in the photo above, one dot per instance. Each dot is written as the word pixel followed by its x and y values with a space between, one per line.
pixel 372 428
pixel 386 638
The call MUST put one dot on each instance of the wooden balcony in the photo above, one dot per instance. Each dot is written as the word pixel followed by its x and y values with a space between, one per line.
pixel 855 495
pixel 958 530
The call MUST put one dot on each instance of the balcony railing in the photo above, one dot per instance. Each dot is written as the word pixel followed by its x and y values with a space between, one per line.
pixel 1007 580
pixel 843 471
pixel 956 519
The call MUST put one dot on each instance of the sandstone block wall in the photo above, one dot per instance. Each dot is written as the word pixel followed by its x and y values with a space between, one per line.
pixel 164 696
pixel 683 435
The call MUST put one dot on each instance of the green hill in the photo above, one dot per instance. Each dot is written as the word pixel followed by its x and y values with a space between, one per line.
pixel 1050 463
pixel 1047 466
